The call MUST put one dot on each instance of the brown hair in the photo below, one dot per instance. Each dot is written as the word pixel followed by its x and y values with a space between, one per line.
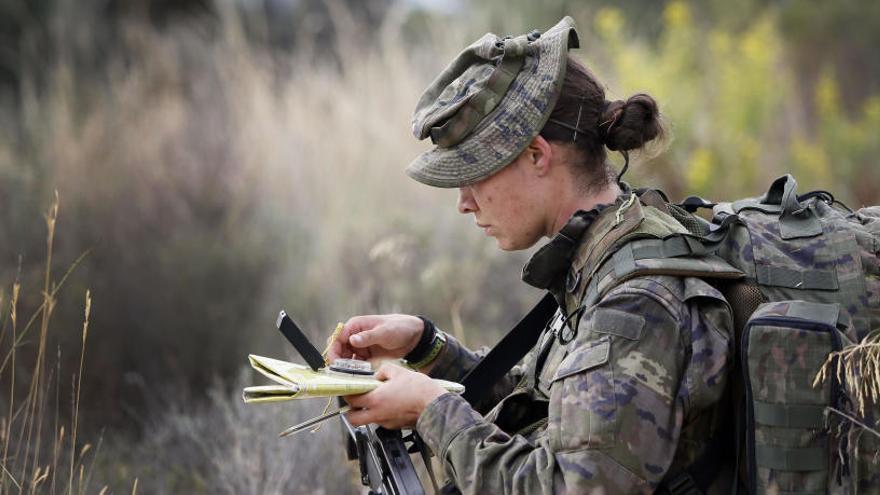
pixel 582 118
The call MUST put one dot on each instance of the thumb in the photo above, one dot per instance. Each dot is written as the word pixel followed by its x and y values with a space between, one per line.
pixel 365 338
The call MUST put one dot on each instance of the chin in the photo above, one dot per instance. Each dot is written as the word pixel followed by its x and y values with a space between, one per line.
pixel 511 245
pixel 502 244
pixel 504 247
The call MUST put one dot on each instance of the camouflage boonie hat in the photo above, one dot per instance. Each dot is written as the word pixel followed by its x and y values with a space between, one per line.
pixel 489 104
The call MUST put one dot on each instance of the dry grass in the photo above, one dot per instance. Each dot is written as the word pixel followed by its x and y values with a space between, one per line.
pixel 26 468
pixel 225 446
pixel 858 366
pixel 198 159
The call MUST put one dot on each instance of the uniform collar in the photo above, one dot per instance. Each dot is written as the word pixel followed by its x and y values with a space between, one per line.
pixel 548 267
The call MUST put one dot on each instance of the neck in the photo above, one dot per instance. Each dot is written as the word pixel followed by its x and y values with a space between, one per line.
pixel 572 201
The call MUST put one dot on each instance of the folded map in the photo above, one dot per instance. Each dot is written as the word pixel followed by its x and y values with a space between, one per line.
pixel 296 381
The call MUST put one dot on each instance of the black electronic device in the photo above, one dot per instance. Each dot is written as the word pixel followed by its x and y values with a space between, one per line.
pixel 299 340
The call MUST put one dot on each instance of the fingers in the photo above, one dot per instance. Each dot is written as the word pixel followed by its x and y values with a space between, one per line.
pixel 396 402
pixel 360 413
pixel 358 324
pixel 359 401
pixel 360 417
pixel 379 336
pixel 379 416
pixel 342 348
pixel 364 339
pixel 338 350
pixel 388 371
pixel 362 332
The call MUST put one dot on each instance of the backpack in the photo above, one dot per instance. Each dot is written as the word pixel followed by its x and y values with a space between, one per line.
pixel 811 287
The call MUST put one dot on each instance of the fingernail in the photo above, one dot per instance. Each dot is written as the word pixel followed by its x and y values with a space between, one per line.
pixel 355 339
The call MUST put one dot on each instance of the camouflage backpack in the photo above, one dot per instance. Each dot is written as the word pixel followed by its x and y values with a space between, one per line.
pixel 811 287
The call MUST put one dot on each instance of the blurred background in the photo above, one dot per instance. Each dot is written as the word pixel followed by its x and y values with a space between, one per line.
pixel 215 161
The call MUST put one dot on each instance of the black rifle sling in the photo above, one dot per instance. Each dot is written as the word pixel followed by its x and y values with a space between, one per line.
pixel 518 341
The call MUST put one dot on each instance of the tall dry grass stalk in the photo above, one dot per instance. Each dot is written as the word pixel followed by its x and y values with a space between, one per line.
pixel 82 356
pixel 26 466
pixel 7 420
pixel 35 399
pixel 858 366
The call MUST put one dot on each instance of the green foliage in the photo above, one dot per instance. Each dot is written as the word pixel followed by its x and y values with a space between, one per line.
pixel 733 102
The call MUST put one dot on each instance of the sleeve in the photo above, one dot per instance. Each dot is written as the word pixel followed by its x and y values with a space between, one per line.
pixel 616 406
pixel 455 361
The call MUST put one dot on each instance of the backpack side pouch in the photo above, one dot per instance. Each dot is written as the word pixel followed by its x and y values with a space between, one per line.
pixel 788 447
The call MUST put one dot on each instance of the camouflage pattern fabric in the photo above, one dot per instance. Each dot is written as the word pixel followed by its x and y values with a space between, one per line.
pixel 817 263
pixel 806 251
pixel 863 447
pixel 825 254
pixel 489 104
pixel 788 444
pixel 609 402
pixel 455 361
pixel 578 413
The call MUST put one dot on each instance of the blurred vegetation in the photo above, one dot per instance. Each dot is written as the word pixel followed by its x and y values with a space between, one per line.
pixel 220 161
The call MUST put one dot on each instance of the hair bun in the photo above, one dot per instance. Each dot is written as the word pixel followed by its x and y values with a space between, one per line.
pixel 628 125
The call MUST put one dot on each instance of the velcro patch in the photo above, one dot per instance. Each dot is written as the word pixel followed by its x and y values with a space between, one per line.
pixel 595 354
pixel 616 322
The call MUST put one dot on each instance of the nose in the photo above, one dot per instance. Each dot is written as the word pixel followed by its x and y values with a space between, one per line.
pixel 466 203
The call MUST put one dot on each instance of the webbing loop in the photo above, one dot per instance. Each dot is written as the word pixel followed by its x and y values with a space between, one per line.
pixel 779 276
pixel 790 415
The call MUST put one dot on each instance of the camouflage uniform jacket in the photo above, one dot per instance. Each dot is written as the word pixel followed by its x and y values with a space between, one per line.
pixel 609 402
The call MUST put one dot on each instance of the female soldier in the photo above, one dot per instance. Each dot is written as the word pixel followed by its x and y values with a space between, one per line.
pixel 621 393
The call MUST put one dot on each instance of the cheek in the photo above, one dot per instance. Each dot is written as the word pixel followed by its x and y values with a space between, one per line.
pixel 527 217
pixel 484 198
pixel 516 206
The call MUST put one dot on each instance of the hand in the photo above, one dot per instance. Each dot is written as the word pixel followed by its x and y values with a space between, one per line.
pixel 397 402
pixel 377 337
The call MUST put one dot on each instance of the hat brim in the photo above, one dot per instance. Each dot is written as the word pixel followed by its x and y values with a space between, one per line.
pixel 511 126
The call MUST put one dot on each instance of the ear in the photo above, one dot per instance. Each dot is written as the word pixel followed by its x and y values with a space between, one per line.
pixel 539 154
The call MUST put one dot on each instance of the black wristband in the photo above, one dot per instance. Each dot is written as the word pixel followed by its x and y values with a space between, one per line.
pixel 426 342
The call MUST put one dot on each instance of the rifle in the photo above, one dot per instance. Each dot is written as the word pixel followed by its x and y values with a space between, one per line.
pixel 383 458
pixel 383 455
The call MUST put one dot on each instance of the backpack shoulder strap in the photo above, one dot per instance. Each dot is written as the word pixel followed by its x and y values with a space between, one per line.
pixel 677 255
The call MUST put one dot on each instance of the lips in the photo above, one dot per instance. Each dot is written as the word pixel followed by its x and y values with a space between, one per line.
pixel 486 227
